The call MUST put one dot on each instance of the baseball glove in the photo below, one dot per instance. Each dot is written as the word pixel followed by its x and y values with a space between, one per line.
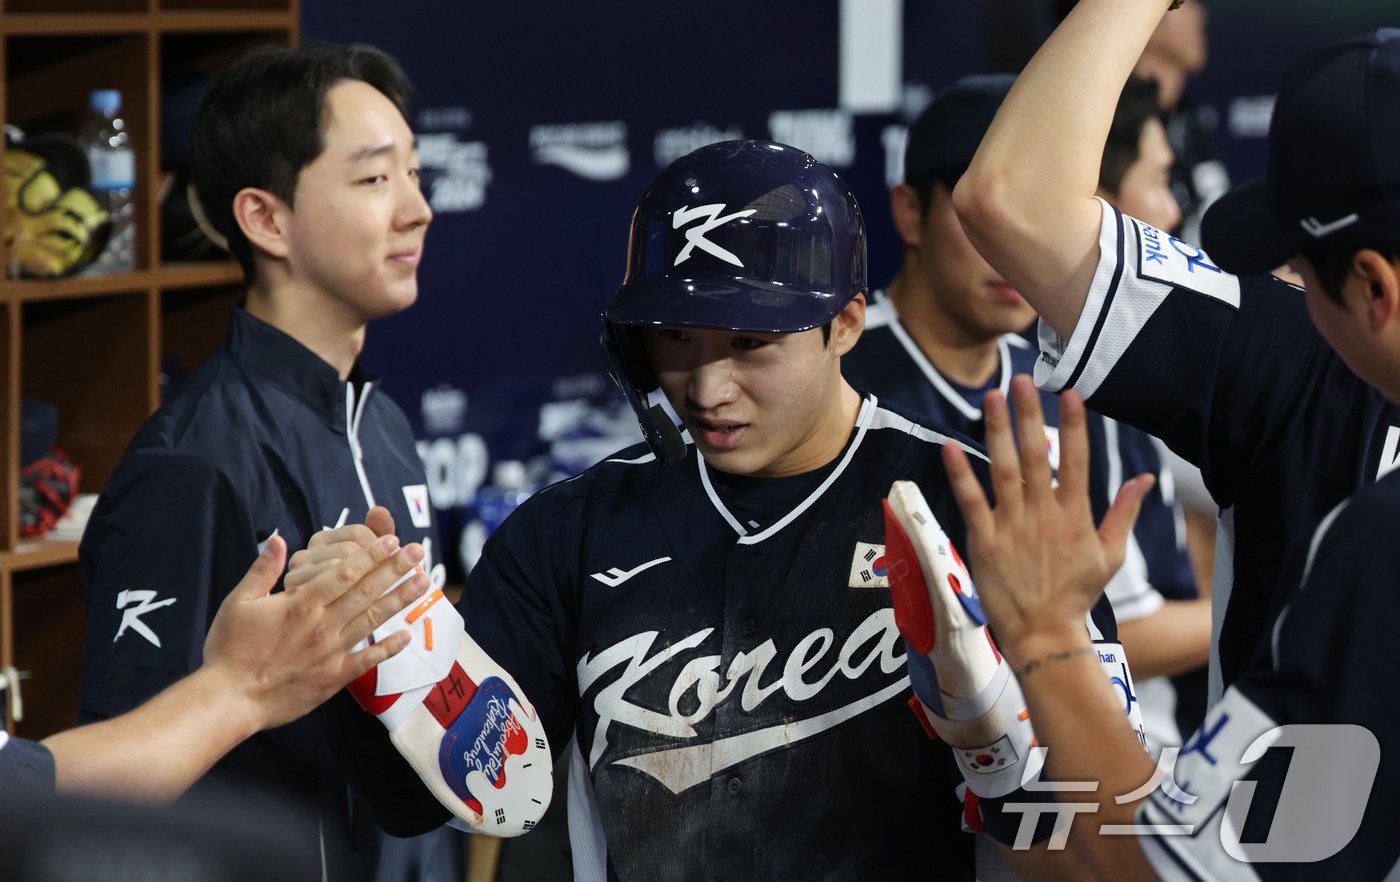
pixel 52 228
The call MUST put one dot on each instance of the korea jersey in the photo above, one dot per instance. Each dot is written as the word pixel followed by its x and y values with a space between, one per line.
pixel 265 438
pixel 723 654
pixel 1231 374
pixel 1326 788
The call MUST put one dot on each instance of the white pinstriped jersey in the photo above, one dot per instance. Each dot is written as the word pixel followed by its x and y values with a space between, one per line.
pixel 1231 374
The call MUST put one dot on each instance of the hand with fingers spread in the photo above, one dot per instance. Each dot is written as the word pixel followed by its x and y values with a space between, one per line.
pixel 1040 562
pixel 289 651
pixel 268 659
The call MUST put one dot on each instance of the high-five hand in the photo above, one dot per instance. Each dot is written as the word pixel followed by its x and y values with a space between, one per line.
pixel 1040 562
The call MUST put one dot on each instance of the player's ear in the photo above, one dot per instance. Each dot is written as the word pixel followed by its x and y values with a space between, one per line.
pixel 263 219
pixel 904 209
pixel 1380 277
pixel 848 325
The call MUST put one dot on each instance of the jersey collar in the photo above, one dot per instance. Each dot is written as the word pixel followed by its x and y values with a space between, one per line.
pixel 936 379
pixel 863 419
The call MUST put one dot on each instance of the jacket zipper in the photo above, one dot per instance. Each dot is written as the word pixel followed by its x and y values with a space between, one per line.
pixel 353 412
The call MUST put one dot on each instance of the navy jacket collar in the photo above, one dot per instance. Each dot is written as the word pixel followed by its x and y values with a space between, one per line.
pixel 277 358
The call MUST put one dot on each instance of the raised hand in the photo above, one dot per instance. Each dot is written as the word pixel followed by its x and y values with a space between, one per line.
pixel 1039 560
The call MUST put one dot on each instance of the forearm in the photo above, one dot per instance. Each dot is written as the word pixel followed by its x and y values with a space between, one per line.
pixel 1026 201
pixel 1040 863
pixel 1173 640
pixel 155 752
pixel 1079 719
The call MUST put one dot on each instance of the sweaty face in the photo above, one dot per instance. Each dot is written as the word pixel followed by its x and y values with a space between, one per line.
pixel 964 290
pixel 355 230
pixel 1145 191
pixel 755 404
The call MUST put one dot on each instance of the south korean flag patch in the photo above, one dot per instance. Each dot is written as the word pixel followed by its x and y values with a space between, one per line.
pixel 416 497
pixel 868 567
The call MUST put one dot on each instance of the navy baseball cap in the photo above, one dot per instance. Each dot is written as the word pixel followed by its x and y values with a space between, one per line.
pixel 1333 176
pixel 944 138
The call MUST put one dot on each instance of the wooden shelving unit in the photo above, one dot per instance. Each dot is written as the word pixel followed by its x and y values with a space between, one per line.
pixel 94 346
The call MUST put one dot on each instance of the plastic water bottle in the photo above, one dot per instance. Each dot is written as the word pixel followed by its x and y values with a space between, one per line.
pixel 108 146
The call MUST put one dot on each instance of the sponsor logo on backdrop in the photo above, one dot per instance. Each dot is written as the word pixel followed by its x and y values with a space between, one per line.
pixel 829 135
pixel 455 467
pixel 456 173
pixel 671 144
pixel 893 140
pixel 1249 116
pixel 596 151
pixel 441 119
pixel 444 407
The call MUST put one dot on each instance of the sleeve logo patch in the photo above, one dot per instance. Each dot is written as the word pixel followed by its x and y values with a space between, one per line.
pixel 1164 258
pixel 134 604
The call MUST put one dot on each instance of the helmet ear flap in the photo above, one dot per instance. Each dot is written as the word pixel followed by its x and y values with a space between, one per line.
pixel 630 368
pixel 632 355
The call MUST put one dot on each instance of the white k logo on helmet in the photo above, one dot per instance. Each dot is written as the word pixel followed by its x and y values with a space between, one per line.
pixel 695 238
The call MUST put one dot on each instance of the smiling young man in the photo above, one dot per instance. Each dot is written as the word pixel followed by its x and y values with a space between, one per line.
pixel 305 162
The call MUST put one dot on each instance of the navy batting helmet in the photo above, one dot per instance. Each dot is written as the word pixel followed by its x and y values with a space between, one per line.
pixel 738 236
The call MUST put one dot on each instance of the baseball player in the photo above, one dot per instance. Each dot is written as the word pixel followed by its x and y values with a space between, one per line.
pixel 946 333
pixel 703 622
pixel 1157 333
pixel 1285 425
pixel 305 161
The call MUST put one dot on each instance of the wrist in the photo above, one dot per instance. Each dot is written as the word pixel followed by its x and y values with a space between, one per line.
pixel 223 693
pixel 1045 646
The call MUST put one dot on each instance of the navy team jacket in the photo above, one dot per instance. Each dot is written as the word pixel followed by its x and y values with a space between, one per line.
pixel 264 437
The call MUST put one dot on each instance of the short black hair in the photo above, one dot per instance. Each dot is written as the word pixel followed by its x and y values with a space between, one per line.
pixel 264 120
pixel 1331 267
pixel 1136 105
